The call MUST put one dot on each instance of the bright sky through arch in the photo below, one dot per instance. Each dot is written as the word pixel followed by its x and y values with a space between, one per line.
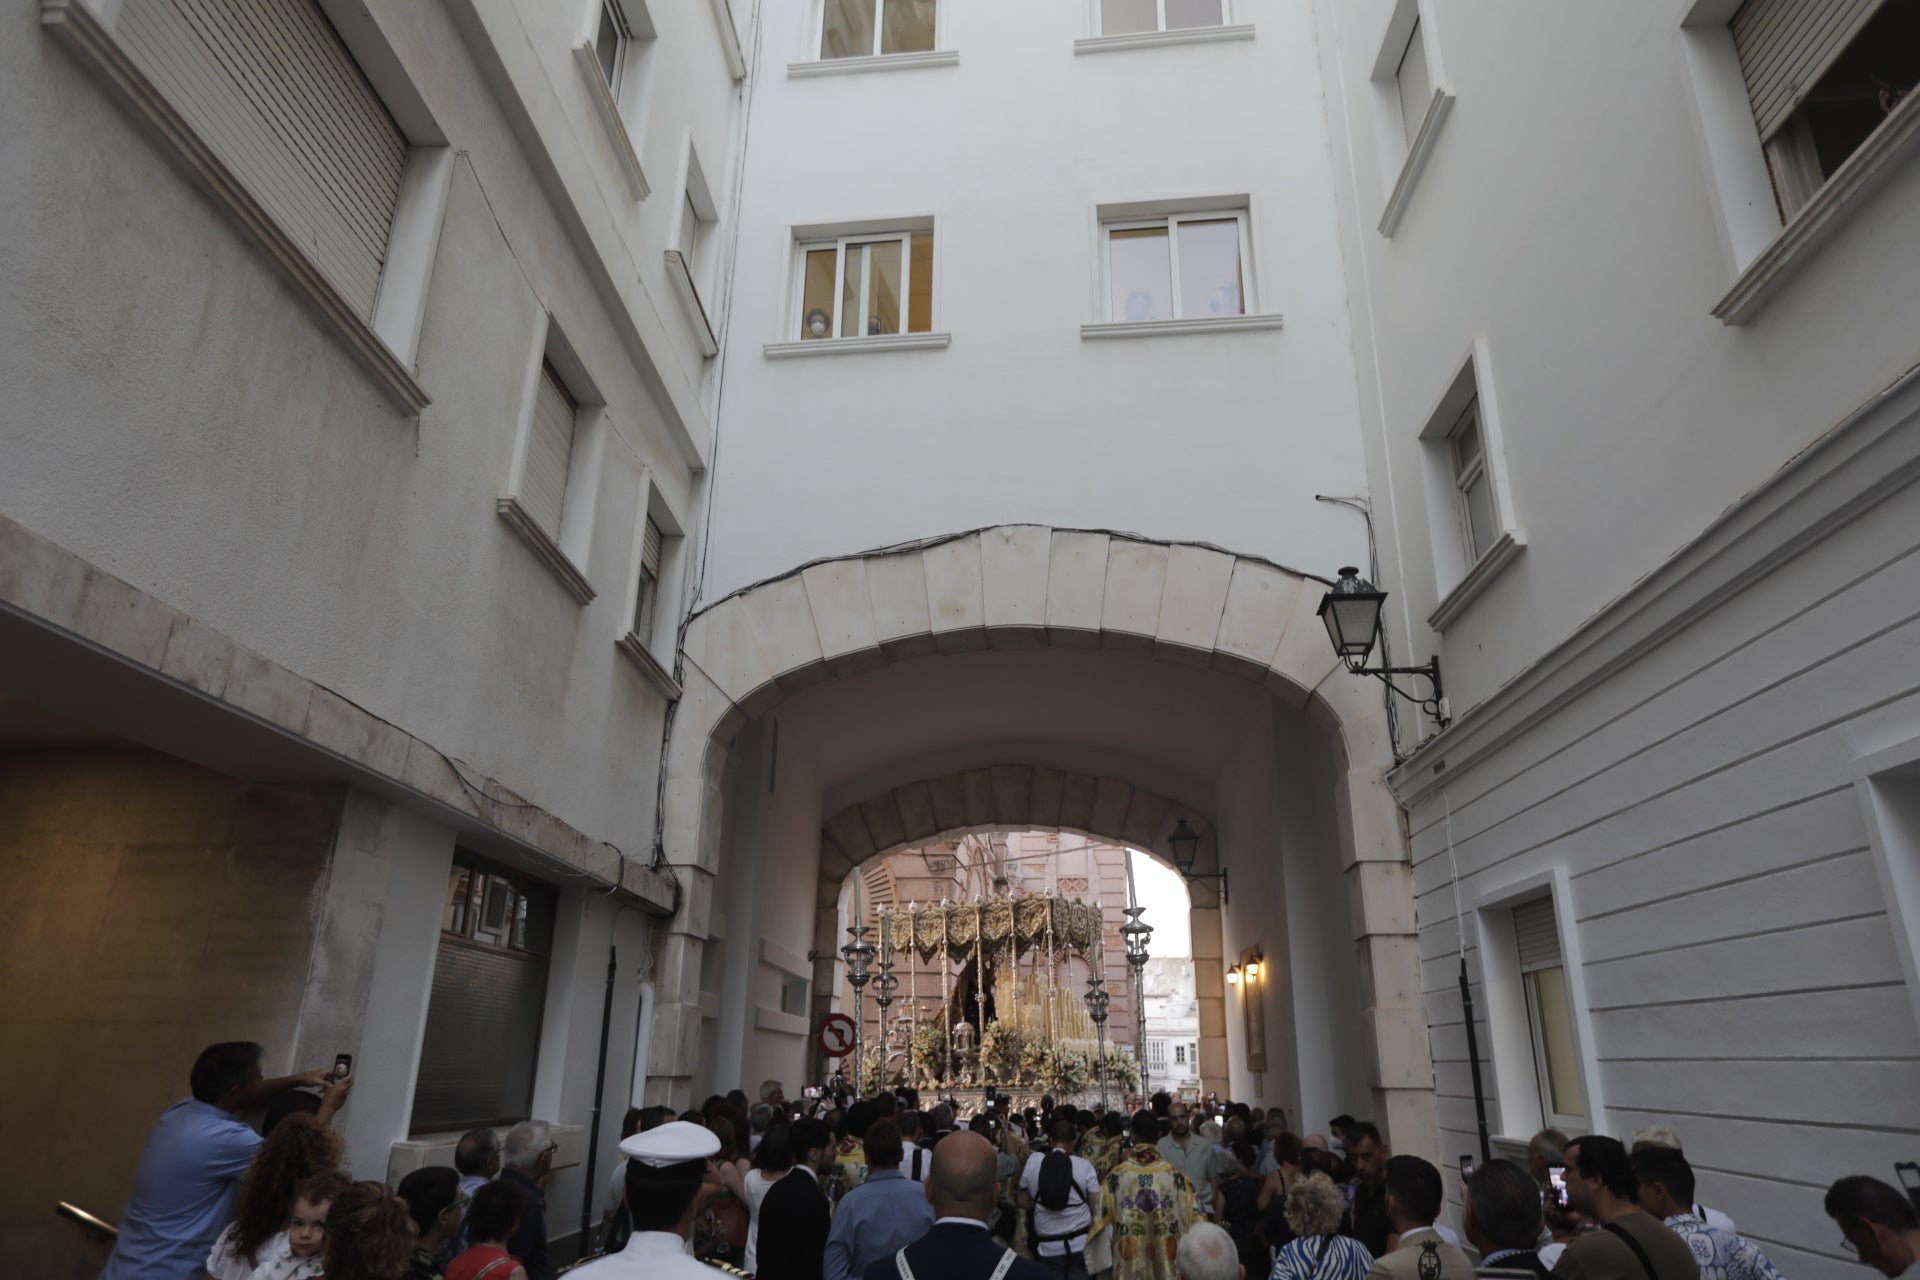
pixel 1161 892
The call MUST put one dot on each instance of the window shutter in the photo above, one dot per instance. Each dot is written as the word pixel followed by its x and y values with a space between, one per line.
pixel 483 1032
pixel 650 551
pixel 1785 47
pixel 1538 937
pixel 543 483
pixel 280 100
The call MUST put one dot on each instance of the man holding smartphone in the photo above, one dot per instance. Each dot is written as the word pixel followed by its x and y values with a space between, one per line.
pixel 1631 1244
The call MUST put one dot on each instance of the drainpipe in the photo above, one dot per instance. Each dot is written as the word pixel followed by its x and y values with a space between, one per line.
pixel 593 1127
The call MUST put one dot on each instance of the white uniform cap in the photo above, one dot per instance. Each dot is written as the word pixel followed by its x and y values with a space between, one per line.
pixel 675 1142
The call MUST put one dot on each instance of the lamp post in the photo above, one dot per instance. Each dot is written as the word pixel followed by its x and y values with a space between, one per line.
pixel 1184 845
pixel 859 955
pixel 883 988
pixel 1097 1001
pixel 1135 933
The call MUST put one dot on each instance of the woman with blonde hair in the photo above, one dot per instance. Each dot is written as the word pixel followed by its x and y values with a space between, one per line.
pixel 298 1148
pixel 370 1234
pixel 1318 1251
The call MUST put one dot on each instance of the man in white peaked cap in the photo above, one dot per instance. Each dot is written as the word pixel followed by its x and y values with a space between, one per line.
pixel 666 1166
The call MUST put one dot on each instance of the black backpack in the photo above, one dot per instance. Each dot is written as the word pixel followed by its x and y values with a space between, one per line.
pixel 1056 1181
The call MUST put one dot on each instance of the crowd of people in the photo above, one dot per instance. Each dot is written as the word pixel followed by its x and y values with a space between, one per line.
pixel 835 1187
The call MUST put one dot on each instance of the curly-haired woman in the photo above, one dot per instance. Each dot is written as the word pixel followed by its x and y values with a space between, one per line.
pixel 1318 1251
pixel 299 1147
pixel 370 1234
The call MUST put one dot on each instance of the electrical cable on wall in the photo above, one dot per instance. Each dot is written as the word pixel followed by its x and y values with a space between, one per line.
pixel 1466 990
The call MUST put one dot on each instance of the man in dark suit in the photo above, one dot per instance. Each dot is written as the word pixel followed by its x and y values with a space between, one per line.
pixel 795 1217
pixel 963 1189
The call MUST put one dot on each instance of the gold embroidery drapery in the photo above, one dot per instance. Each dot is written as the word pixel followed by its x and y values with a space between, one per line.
pixel 1029 920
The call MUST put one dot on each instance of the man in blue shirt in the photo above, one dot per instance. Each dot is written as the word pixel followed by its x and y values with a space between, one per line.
pixel 182 1195
pixel 1666 1192
pixel 881 1216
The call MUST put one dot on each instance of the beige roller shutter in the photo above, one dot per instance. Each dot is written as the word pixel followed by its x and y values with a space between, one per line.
pixel 1538 937
pixel 1787 45
pixel 280 100
pixel 543 484
pixel 650 547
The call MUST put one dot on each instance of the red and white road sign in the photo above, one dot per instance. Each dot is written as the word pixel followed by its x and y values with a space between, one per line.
pixel 835 1036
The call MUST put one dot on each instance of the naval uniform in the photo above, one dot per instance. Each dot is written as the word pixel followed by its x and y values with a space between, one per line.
pixel 651 1255
pixel 675 1155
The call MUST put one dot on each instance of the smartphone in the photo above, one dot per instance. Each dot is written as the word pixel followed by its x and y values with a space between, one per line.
pixel 1557 1180
pixel 1909 1174
pixel 811 1091
pixel 1466 1168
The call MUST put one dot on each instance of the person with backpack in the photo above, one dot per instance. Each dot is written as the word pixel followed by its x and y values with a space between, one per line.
pixel 1059 1190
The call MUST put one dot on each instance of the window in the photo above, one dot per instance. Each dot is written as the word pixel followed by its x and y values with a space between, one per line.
pixel 649 588
pixel 1414 84
pixel 1180 1054
pixel 543 487
pixel 1543 977
pixel 1822 76
pixel 690 245
pixel 1157 1054
pixel 1478 527
pixel 865 28
pixel 866 286
pixel 793 995
pixel 1180 267
pixel 610 39
pixel 1123 17
pixel 489 994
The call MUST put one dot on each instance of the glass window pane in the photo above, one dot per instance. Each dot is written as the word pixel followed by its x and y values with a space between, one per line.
pixel 1118 17
pixel 816 295
pixel 459 883
pixel 920 285
pixel 1140 273
pixel 1562 1067
pixel 1210 268
pixel 1416 87
pixel 1193 13
pixel 606 46
pixel 848 29
pixel 906 26
pixel 1480 522
pixel 852 318
pixel 1466 442
pixel 884 301
pixel 689 229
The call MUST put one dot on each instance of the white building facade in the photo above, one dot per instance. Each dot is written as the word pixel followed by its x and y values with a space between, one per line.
pixel 1171 1025
pixel 534 506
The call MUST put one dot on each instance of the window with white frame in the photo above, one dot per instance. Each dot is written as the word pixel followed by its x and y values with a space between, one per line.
pixel 865 286
pixel 1183 266
pixel 649 636
pixel 610 40
pixel 1543 978
pixel 690 247
pixel 1473 487
pixel 1180 1054
pixel 869 28
pixel 1822 77
pixel 1126 17
pixel 1414 83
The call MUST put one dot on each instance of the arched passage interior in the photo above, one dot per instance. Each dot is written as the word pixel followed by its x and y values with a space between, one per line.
pixel 1022 671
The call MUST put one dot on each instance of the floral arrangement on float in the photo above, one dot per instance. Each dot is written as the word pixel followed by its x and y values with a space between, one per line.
pixel 1000 1053
pixel 929 1054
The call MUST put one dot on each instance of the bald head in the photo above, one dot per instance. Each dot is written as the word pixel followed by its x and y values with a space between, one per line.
pixel 962 1184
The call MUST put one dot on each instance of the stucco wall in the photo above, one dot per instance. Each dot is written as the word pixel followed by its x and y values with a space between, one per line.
pixel 154 908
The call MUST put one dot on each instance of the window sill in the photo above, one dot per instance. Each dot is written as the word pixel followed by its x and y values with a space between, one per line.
pixel 80 32
pixel 1160 39
pixel 767 1018
pixel 608 110
pixel 689 296
pixel 1416 162
pixel 649 666
pixel 1498 556
pixel 1161 328
pixel 854 346
pixel 546 549
pixel 877 62
pixel 729 38
pixel 1823 215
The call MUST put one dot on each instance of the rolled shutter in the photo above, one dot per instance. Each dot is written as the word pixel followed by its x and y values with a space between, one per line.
pixel 543 484
pixel 279 99
pixel 482 1037
pixel 1785 47
pixel 1537 934
pixel 650 551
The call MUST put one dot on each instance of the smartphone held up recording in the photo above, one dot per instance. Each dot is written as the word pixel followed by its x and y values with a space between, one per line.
pixel 342 1067
pixel 1557 1184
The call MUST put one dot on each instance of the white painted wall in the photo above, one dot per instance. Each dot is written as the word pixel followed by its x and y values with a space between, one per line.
pixel 1222 437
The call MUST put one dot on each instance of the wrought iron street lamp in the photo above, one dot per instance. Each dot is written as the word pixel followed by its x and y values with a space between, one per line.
pixel 1351 612
pixel 1184 844
pixel 1097 1000
pixel 859 957
pixel 1135 933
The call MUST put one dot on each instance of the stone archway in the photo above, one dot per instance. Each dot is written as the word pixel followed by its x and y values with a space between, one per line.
pixel 1032 586
pixel 1019 797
